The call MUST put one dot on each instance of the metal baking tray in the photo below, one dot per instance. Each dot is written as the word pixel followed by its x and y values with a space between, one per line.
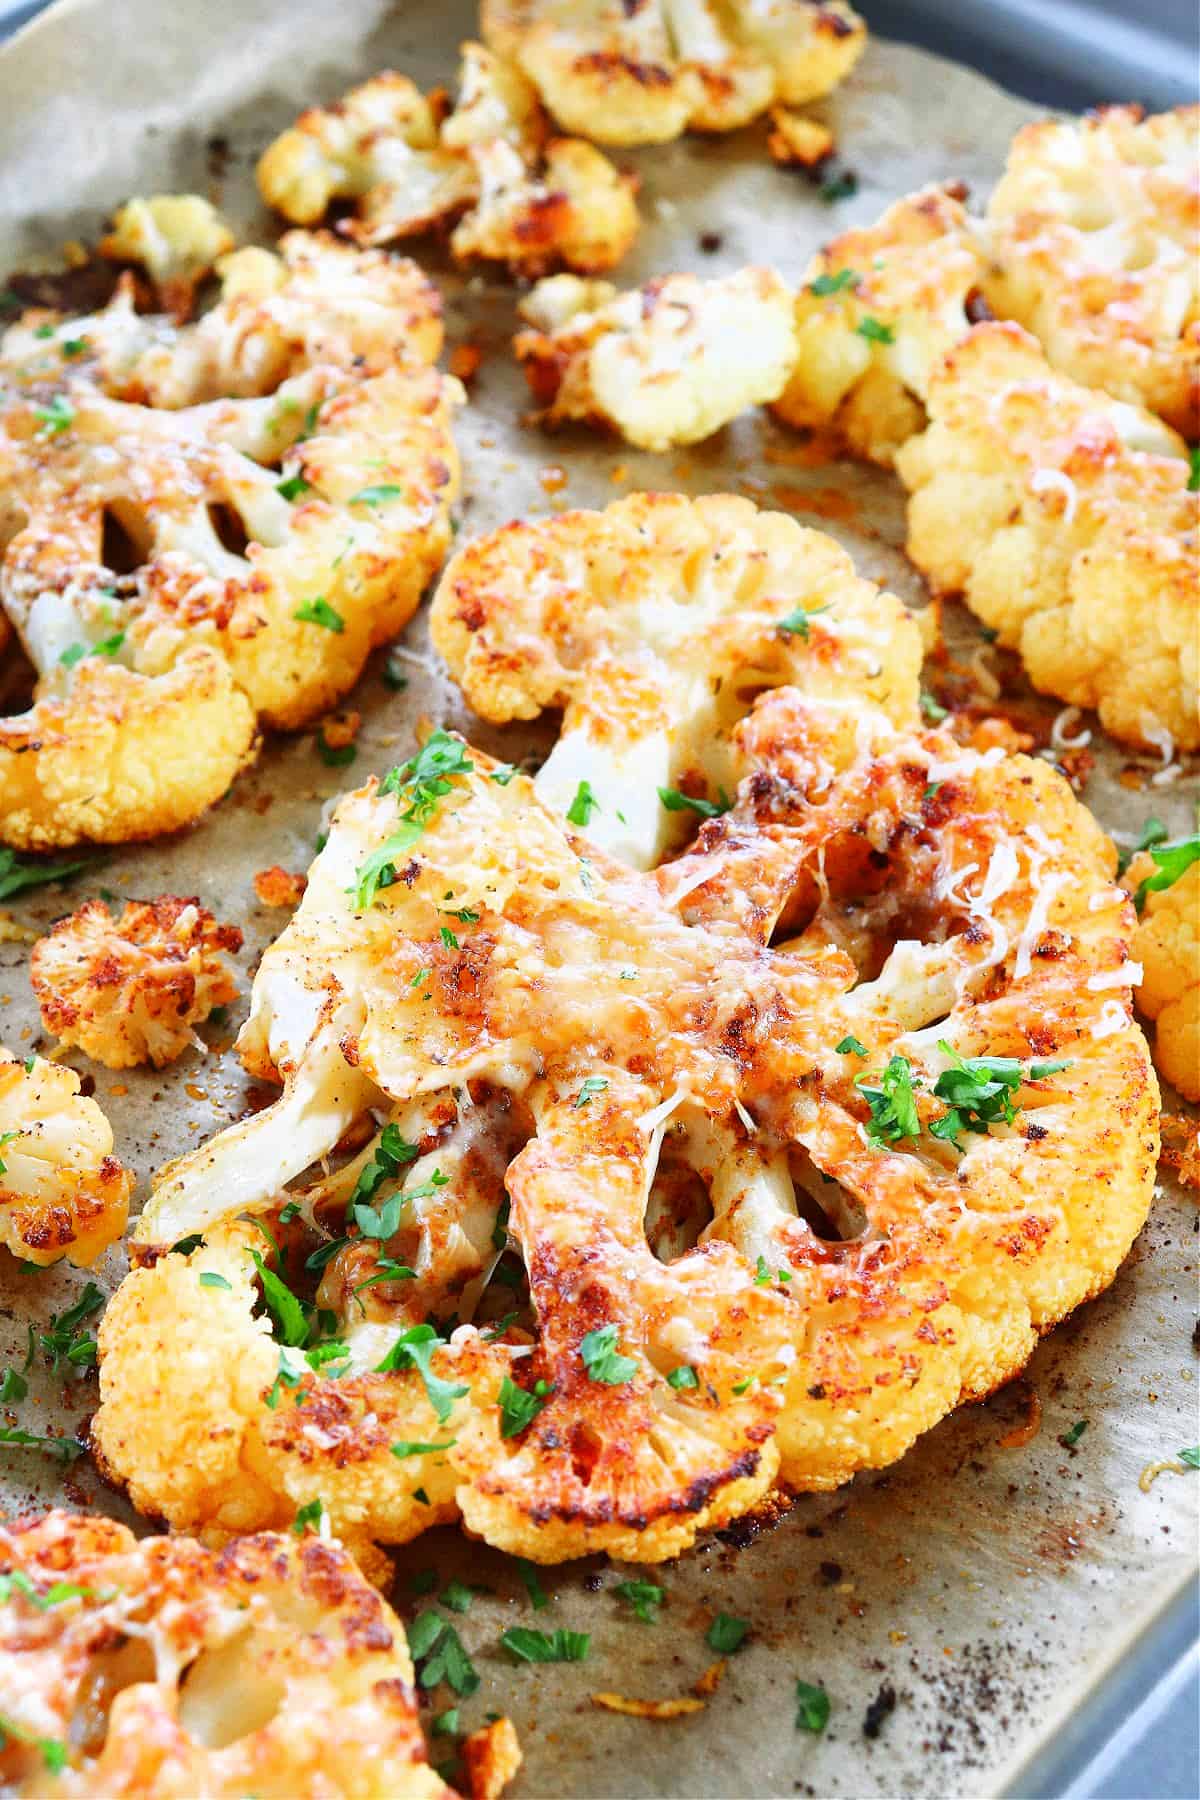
pixel 1031 1613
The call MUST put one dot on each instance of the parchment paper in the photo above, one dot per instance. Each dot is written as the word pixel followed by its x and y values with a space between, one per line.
pixel 987 1586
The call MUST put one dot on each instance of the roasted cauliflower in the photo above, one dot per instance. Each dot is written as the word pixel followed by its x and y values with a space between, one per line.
pixel 876 310
pixel 160 1669
pixel 518 198
pixel 62 1191
pixel 796 1141
pixel 177 238
pixel 1094 245
pixel 1064 519
pixel 653 624
pixel 669 363
pixel 172 588
pixel 1167 946
pixel 131 990
pixel 643 71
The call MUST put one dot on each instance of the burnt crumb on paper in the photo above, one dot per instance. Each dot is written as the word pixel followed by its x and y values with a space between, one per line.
pixel 879 1710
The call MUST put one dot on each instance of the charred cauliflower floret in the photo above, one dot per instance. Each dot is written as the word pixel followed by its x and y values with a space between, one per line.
pixel 1095 247
pixel 652 625
pixel 131 990
pixel 62 1191
pixel 160 1669
pixel 669 363
pixel 875 311
pixel 1063 518
pixel 517 198
pixel 176 238
pixel 794 1142
pixel 170 584
pixel 642 73
pixel 1166 883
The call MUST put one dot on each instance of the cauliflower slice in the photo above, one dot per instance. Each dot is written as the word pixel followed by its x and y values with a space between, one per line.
pixel 876 310
pixel 642 74
pixel 1095 247
pixel 170 588
pixel 669 363
pixel 160 1669
pixel 872 1005
pixel 517 199
pixel 62 1191
pixel 1167 945
pixel 652 624
pixel 131 990
pixel 1064 519
pixel 177 239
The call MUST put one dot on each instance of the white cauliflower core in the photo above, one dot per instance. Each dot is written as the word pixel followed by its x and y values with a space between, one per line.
pixel 643 71
pixel 62 1191
pixel 1094 245
pixel 1064 519
pixel 669 363
pixel 489 169
pixel 653 624
pixel 640 1094
pixel 130 990
pixel 207 526
pixel 159 1669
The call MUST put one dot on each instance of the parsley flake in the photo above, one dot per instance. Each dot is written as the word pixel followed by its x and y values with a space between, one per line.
pixel 1194 469
pixel 726 1634
pixel 583 805
pixel 645 1597
pixel 835 284
pixel 420 784
pixel 519 1406
pixel 594 1084
pixel 318 611
pixel 875 331
pixel 17 873
pixel 66 1449
pixel 812 1707
pixel 13 1387
pixel 683 1377
pixel 892 1101
pixel 978 1091
pixel 532 1646
pixel 674 801
pixel 1068 1439
pixel 838 187
pixel 378 495
pixel 335 756
pixel 309 1517
pixel 434 1643
pixel 56 416
pixel 407 1448
pixel 1170 863
pixel 210 1279
pixel 1190 1457
pixel 292 487
pixel 413 1349
pixel 851 1046
pixel 603 1361
pixel 931 710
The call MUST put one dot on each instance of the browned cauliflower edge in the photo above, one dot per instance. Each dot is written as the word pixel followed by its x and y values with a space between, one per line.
pixel 62 1191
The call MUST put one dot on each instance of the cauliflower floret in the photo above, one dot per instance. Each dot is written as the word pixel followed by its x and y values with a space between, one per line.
pixel 669 363
pixel 643 74
pixel 492 1756
pixel 517 199
pixel 177 239
pixel 131 990
pixel 1064 520
pixel 62 1191
pixel 876 310
pixel 873 1003
pixel 798 142
pixel 169 586
pixel 652 624
pixel 1095 247
pixel 1167 945
pixel 160 1669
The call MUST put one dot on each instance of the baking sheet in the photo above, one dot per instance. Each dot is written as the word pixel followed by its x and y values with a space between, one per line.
pixel 987 1587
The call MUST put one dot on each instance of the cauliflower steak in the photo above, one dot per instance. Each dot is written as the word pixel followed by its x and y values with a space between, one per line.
pixel 161 1670
pixel 598 1202
pixel 210 526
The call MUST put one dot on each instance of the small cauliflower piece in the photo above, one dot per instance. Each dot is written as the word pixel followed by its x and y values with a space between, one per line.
pixel 796 141
pixel 652 624
pixel 492 1756
pixel 1064 519
pixel 517 199
pixel 642 74
pixel 1167 945
pixel 131 990
pixel 62 1191
pixel 669 363
pixel 160 1669
pixel 177 239
pixel 876 310
pixel 1094 246
pixel 238 595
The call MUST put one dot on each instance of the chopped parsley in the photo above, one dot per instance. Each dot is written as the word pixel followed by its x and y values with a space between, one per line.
pixel 13 1387
pixel 594 1084
pixel 318 611
pixel 17 873
pixel 645 1597
pixel 309 1517
pixel 532 1646
pixel 835 284
pixel 335 756
pixel 538 1597
pixel 683 1377
pixel 378 495
pixel 851 1046
pixel 292 1318
pixel 6 1137
pixel 763 1276
pixel 931 710
pixel 445 1724
pixel 210 1279
pixel 583 805
pixel 1170 863
pixel 795 623
pixel 726 1634
pixel 892 1101
pixel 73 346
pixel 457 1596
pixel 603 1361
pixel 875 331
pixel 407 1448
pixel 292 487
pixel 434 1643
pixel 838 187
pixel 449 941
pixel 389 1156
pixel 56 416
pixel 812 1707
pixel 1153 832
pixel 519 1406
pixel 413 1349
pixel 54 1753
pixel 394 677
pixel 1190 1457
pixel 58 1591
pixel 978 1091
pixel 503 773
pixel 65 1448
pixel 674 801
pixel 63 1342
pixel 419 785
pixel 1068 1439
pixel 1194 469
